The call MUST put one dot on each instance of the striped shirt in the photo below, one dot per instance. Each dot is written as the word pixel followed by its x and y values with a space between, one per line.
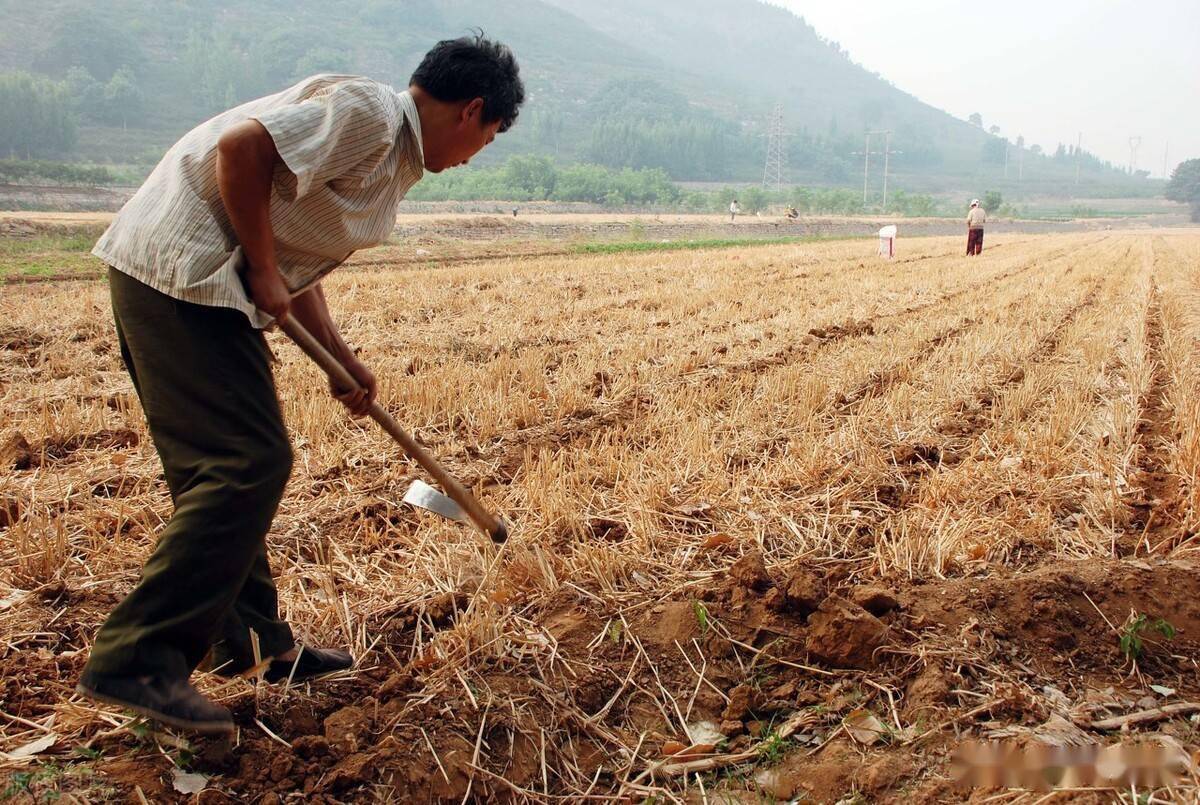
pixel 350 149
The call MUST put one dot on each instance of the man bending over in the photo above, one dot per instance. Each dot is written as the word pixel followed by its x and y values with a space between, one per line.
pixel 234 230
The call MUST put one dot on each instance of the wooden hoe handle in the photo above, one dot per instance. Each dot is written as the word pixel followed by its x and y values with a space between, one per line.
pixel 480 516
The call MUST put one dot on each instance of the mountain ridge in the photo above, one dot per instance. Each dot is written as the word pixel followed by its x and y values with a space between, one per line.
pixel 730 61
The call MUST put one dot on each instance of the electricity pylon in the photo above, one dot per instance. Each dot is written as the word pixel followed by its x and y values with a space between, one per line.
pixel 776 153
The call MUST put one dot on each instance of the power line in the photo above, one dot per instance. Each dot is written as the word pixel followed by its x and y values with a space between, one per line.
pixel 887 152
pixel 776 153
pixel 866 155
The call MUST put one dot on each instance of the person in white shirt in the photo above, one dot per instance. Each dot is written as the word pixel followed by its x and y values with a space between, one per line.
pixel 976 218
pixel 231 232
pixel 734 210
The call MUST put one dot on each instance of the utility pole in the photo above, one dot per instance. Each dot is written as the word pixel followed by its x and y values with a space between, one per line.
pixel 1006 150
pixel 776 153
pixel 1134 144
pixel 1167 161
pixel 887 152
pixel 866 155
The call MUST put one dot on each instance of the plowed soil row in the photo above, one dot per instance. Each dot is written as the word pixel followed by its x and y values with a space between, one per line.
pixel 959 431
pixel 509 450
pixel 1155 520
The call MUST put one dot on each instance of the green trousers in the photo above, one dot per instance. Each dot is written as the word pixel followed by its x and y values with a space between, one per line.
pixel 203 375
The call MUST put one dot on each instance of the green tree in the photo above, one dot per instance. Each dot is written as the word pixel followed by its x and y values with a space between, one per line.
pixel 753 199
pixel 547 130
pixel 992 201
pixel 535 176
pixel 921 205
pixel 123 99
pixel 1184 186
pixel 87 94
pixel 220 71
pixel 36 116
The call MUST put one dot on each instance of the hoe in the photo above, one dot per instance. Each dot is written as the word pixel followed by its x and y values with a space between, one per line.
pixel 457 504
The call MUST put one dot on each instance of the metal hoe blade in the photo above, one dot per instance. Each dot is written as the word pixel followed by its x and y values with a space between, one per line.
pixel 424 496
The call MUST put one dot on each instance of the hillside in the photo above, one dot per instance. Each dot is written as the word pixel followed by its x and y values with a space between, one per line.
pixel 685 86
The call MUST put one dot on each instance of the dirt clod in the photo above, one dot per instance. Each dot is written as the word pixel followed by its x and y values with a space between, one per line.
pixel 844 635
pixel 395 685
pixel 731 728
pixel 281 767
pixel 741 702
pixel 928 691
pixel 350 771
pixel 775 600
pixel 348 729
pixel 311 746
pixel 804 590
pixel 877 600
pixel 299 720
pixel 677 621
pixel 751 572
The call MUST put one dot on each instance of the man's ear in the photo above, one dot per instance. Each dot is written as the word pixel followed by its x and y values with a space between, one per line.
pixel 473 110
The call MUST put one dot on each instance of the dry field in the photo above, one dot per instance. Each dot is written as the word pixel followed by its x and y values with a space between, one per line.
pixel 789 521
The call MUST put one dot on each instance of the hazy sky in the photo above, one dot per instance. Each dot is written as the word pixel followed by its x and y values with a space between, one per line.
pixel 1047 69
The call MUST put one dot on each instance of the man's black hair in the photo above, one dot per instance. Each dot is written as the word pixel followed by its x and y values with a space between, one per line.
pixel 474 67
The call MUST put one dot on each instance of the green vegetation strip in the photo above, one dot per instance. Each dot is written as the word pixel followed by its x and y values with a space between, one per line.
pixel 621 246
pixel 68 255
pixel 50 254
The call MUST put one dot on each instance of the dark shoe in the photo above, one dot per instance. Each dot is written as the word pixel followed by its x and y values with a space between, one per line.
pixel 173 702
pixel 312 662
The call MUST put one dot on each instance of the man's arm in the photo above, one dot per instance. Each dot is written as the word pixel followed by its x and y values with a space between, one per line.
pixel 246 159
pixel 311 311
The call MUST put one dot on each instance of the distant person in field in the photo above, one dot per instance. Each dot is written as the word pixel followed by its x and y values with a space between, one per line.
pixel 734 209
pixel 976 218
pixel 234 231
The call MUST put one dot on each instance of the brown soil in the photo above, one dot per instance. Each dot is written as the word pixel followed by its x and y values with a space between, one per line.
pixel 745 648
pixel 21 339
pixel 1156 520
pixel 63 448
pixel 993 635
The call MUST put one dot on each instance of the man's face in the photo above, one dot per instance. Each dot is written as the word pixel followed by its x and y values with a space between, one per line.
pixel 463 140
